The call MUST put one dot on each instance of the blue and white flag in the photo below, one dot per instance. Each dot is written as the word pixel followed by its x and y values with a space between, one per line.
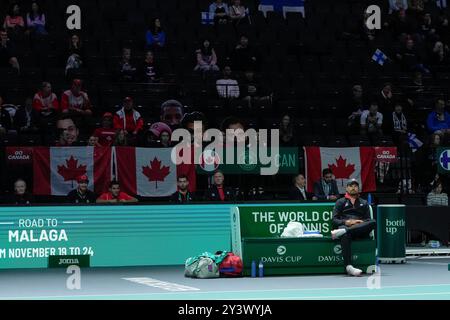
pixel 414 143
pixel 207 18
pixel 282 6
pixel 379 57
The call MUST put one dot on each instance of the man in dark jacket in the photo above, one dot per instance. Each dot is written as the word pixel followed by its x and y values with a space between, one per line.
pixel 298 190
pixel 182 195
pixel 326 188
pixel 351 217
pixel 26 118
pixel 82 194
pixel 218 192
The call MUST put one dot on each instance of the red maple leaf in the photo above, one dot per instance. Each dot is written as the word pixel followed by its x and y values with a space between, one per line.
pixel 154 172
pixel 342 170
pixel 71 171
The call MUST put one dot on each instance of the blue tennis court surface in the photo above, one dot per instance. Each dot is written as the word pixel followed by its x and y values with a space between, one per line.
pixel 420 278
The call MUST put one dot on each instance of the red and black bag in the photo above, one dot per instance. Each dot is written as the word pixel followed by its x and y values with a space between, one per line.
pixel 231 266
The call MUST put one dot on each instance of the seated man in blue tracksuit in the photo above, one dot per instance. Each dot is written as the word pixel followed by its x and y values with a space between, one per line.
pixel 351 217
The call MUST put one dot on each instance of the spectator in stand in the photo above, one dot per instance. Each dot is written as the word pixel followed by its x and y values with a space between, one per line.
pixel 67 132
pixel 220 11
pixel 298 191
pixel 385 99
pixel 7 53
pixel 440 56
pixel 398 126
pixel 159 136
pixel 172 111
pixel 106 133
pixel 439 120
pixel 115 195
pixel 188 123
pixel 397 5
pixel 182 195
pixel 326 188
pixel 288 137
pixel 253 91
pixel 357 103
pixel 82 194
pixel 36 20
pixel 75 54
pixel 206 58
pixel 416 6
pixel 75 102
pixel 20 196
pixel 129 119
pixel 401 25
pixel 218 192
pixel 127 71
pixel 14 23
pixel 227 88
pixel 436 197
pixel 410 59
pixel 93 142
pixel 235 124
pixel 427 28
pixel 120 138
pixel 149 72
pixel 244 57
pixel 155 37
pixel 5 119
pixel 26 118
pixel 238 13
pixel 443 27
pixel 46 104
pixel 371 121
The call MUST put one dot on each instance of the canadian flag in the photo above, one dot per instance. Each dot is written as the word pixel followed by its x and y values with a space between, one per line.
pixel 345 163
pixel 56 170
pixel 147 172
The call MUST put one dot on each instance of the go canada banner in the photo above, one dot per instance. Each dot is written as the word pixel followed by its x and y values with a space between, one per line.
pixel 147 172
pixel 345 163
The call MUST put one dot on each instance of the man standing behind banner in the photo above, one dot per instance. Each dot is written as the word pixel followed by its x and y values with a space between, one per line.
pixel 351 216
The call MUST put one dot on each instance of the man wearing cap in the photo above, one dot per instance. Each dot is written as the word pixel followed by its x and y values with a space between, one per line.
pixel 128 118
pixel 351 217
pixel 75 101
pixel 115 195
pixel 106 133
pixel 81 194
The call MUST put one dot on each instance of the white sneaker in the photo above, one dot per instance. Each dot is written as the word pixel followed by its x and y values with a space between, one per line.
pixel 337 233
pixel 352 271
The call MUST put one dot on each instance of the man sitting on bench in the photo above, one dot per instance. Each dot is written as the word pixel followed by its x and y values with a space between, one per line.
pixel 351 217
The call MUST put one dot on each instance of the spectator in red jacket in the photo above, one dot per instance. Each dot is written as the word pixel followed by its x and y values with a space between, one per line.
pixel 115 195
pixel 129 119
pixel 106 133
pixel 14 22
pixel 75 101
pixel 45 102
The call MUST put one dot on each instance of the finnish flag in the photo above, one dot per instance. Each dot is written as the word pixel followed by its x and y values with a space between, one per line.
pixel 414 143
pixel 379 57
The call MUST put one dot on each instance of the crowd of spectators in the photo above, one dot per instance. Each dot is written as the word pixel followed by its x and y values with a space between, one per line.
pixel 417 39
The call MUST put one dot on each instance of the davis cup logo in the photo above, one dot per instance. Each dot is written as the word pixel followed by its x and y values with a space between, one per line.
pixel 209 161
pixel 337 249
pixel 444 160
pixel 281 250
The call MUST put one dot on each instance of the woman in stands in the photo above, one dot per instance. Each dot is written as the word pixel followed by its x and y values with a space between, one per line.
pixel 287 134
pixel 238 13
pixel 14 23
pixel 36 20
pixel 155 37
pixel 206 58
pixel 75 54
pixel 436 197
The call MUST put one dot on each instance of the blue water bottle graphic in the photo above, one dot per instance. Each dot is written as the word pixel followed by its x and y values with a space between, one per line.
pixel 253 269
pixel 261 269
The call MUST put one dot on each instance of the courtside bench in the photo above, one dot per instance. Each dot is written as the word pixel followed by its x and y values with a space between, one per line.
pixel 256 237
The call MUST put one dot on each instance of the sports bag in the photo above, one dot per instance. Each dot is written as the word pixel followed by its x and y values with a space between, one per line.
pixel 231 266
pixel 203 266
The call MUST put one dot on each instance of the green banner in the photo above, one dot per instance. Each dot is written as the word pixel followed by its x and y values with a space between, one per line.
pixel 443 160
pixel 286 160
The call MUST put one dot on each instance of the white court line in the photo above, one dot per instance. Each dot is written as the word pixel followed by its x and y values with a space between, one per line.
pixel 432 263
pixel 213 292
pixel 359 296
pixel 155 283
